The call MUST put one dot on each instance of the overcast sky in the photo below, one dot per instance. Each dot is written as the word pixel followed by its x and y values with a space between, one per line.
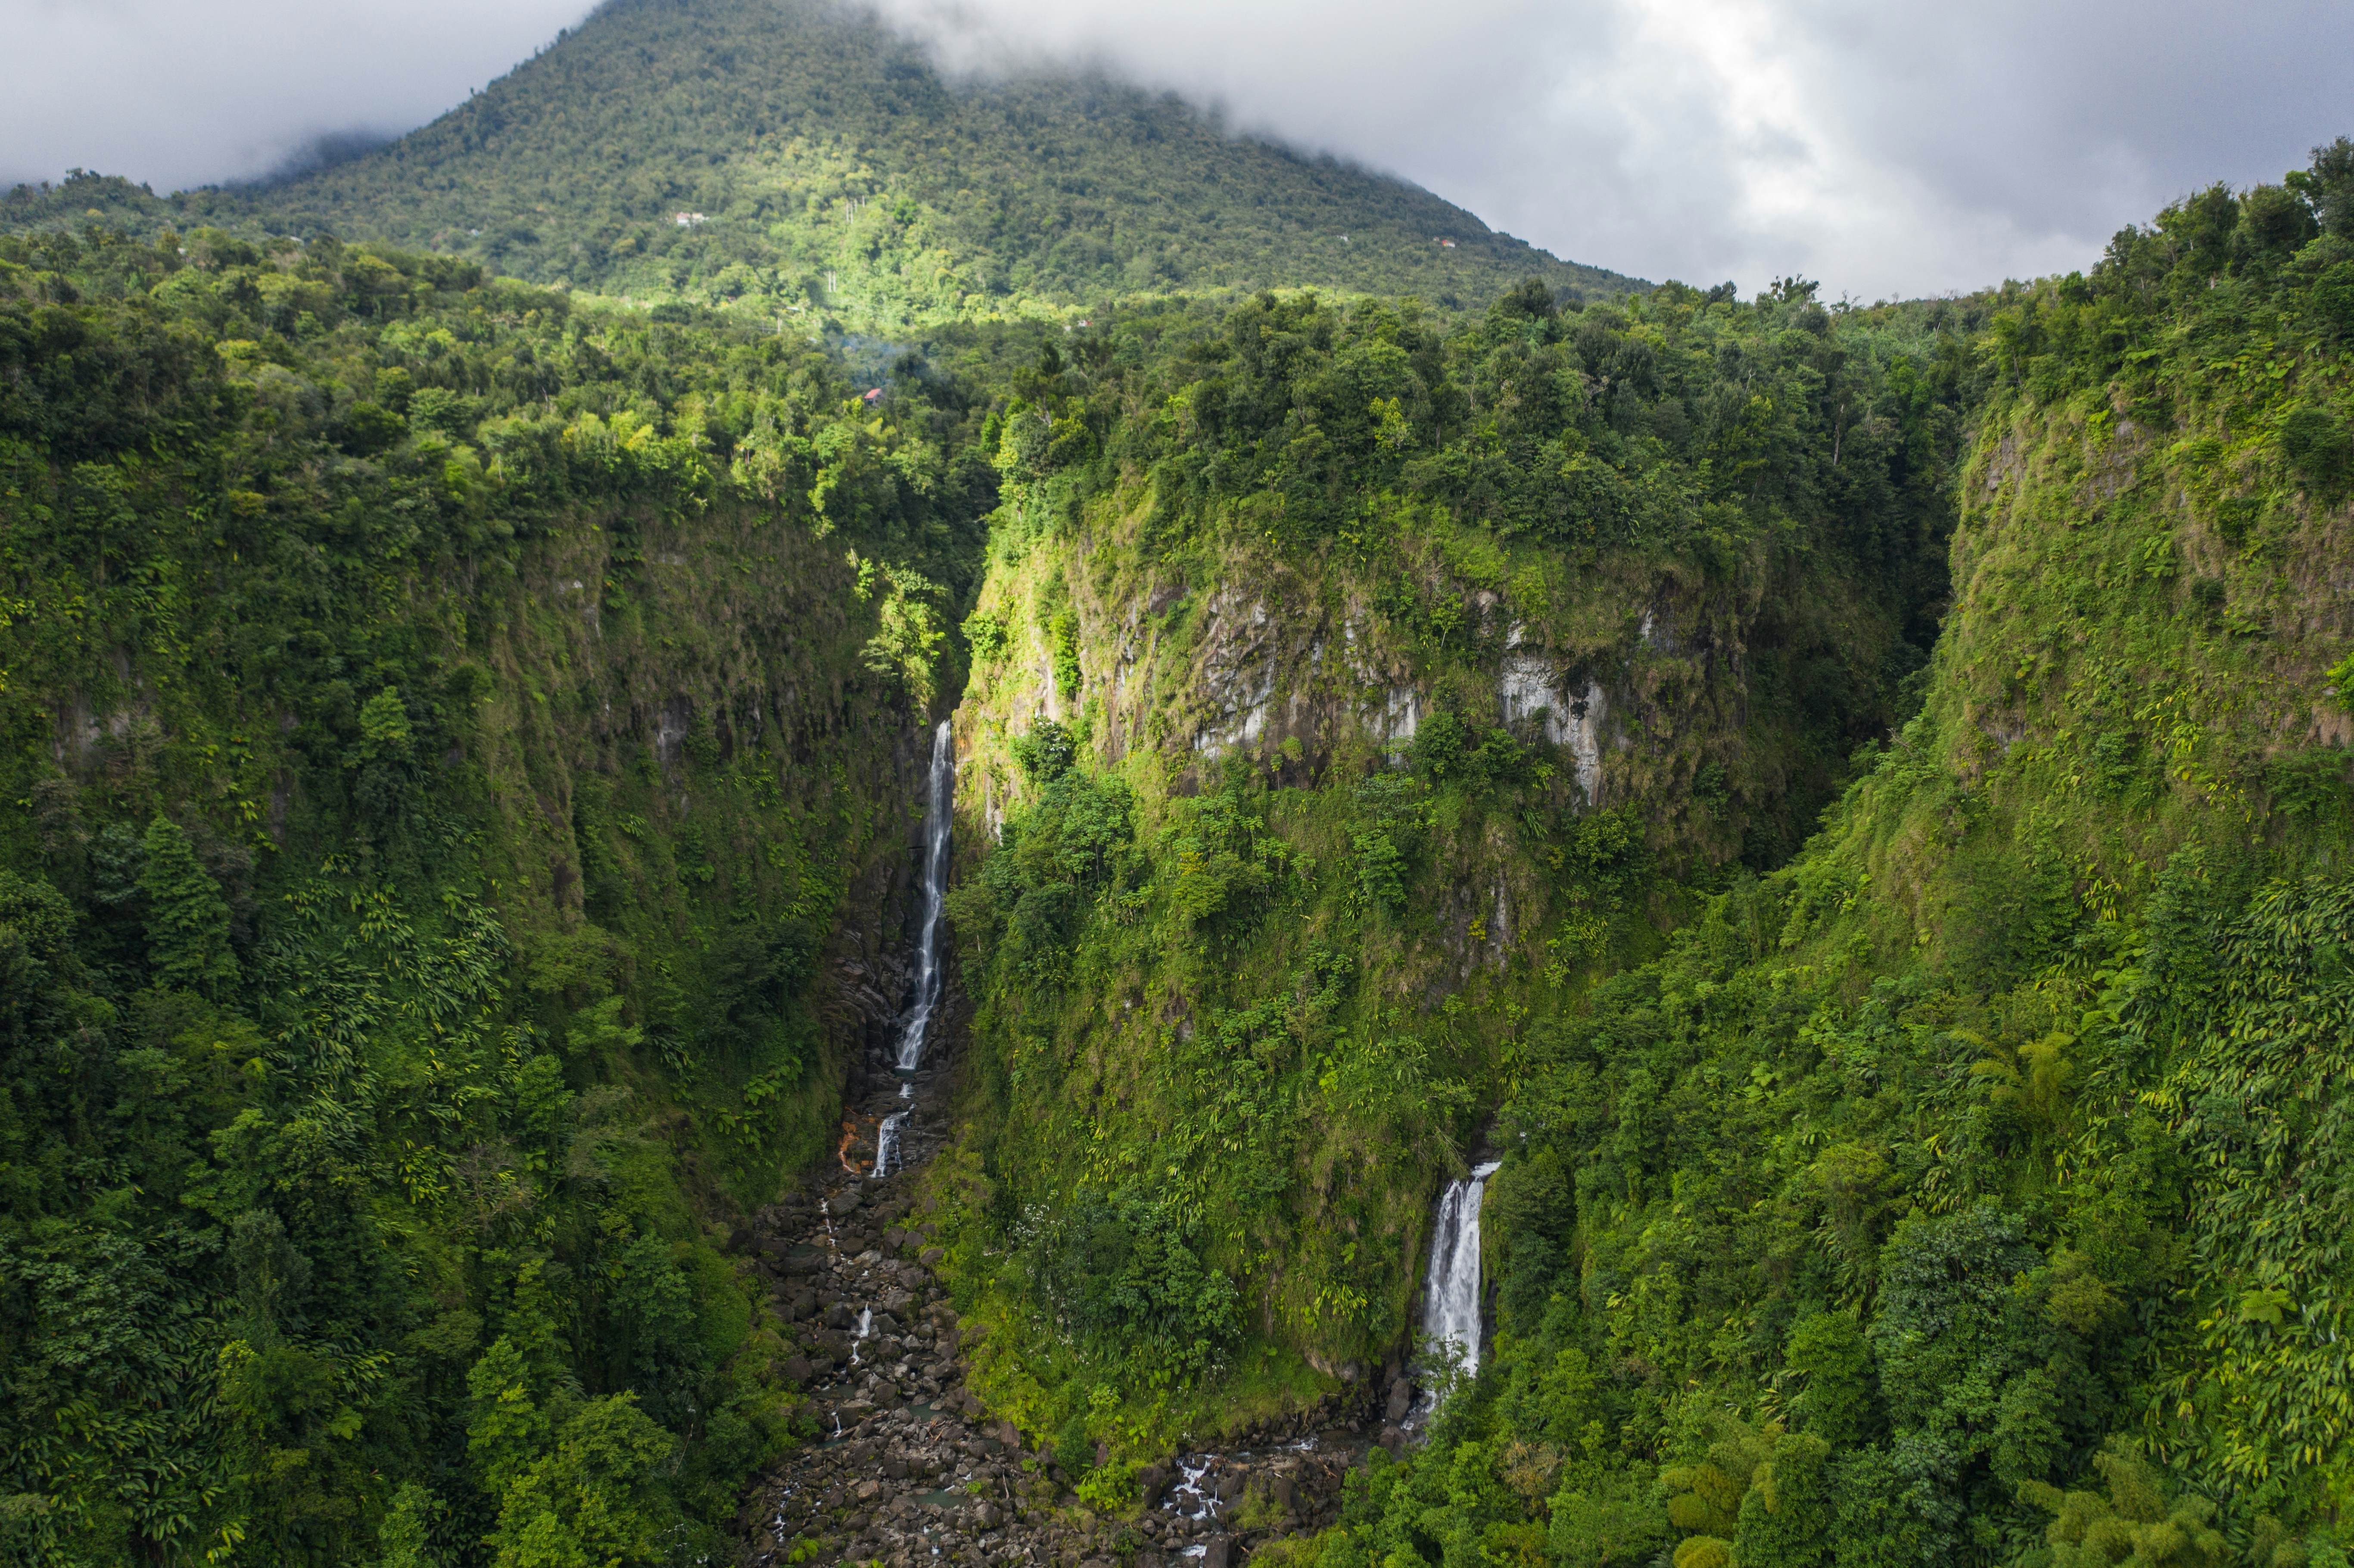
pixel 1882 147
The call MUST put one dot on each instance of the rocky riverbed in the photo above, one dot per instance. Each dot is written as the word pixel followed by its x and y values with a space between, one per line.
pixel 911 1469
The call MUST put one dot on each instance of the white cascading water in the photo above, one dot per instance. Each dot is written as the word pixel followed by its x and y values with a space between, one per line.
pixel 1451 1312
pixel 866 1327
pixel 938 816
pixel 886 1144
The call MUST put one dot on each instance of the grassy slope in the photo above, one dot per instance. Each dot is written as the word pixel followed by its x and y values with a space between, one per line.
pixel 843 179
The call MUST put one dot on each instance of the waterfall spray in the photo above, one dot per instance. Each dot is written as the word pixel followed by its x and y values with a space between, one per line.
pixel 1451 1297
pixel 937 813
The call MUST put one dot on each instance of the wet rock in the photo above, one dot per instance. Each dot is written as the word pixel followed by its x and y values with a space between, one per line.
pixel 1400 1401
pixel 843 1202
pixel 1150 1482
pixel 1217 1551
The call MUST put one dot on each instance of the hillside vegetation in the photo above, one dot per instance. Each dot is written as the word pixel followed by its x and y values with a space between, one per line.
pixel 1350 704
pixel 1973 1190
pixel 456 749
pixel 840 178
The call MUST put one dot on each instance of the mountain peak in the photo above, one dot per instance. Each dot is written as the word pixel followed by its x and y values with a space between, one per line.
pixel 794 157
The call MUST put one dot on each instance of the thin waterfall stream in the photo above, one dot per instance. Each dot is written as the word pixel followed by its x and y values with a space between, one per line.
pixel 938 817
pixel 916 1024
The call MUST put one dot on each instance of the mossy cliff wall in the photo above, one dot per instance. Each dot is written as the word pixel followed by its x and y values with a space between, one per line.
pixel 1275 844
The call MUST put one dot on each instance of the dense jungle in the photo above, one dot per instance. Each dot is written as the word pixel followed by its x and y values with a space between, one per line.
pixel 1805 844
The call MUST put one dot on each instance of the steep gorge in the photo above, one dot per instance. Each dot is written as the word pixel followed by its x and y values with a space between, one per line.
pixel 481 758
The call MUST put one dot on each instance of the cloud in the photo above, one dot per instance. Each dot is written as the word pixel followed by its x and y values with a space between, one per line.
pixel 184 92
pixel 1884 148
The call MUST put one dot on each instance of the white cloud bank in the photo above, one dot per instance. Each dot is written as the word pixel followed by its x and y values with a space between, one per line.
pixel 1882 148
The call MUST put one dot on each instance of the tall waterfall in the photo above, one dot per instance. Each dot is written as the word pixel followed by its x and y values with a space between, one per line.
pixel 937 814
pixel 1451 1312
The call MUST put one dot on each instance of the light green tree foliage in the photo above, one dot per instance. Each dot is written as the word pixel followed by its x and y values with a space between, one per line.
pixel 1829 1362
pixel 1788 1513
pixel 594 1497
pixel 187 919
pixel 2130 1520
pixel 405 1537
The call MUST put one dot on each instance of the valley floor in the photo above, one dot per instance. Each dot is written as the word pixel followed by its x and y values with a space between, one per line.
pixel 912 1469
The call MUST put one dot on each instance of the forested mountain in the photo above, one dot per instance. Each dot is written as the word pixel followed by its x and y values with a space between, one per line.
pixel 826 170
pixel 1846 811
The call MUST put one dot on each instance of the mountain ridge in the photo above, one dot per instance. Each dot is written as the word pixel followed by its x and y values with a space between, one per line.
pixel 799 160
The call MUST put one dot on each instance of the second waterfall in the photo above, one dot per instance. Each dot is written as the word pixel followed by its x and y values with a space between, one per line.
pixel 1451 1296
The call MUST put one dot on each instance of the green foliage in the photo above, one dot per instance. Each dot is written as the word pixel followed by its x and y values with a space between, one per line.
pixel 1269 1001
pixel 592 1494
pixel 2318 447
pixel 187 919
pixel 1122 1276
pixel 1788 1513
pixel 1964 1190
pixel 406 1536
pixel 1829 1361
pixel 374 987
pixel 2134 1524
